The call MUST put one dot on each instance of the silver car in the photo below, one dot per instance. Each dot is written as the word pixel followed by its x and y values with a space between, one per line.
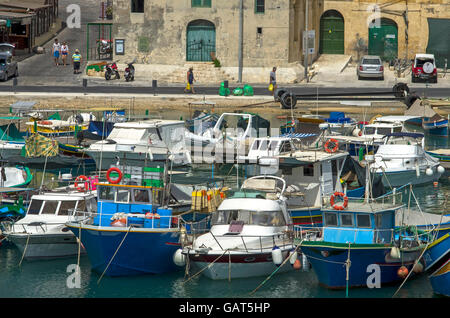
pixel 370 66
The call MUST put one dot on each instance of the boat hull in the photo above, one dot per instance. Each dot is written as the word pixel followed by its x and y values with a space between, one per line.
pixel 143 251
pixel 440 280
pixel 397 178
pixel 47 245
pixel 236 265
pixel 328 263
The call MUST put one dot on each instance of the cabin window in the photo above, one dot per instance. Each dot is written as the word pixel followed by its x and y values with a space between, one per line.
pixel 91 205
pixel 106 193
pixel 346 219
pixel 287 171
pixel 66 206
pixel 330 219
pixel 122 195
pixel 263 145
pixel 308 170
pixel 397 129
pixel 369 130
pixel 263 218
pixel 384 131
pixel 273 145
pixel 256 144
pixel 35 207
pixel 81 206
pixel 378 220
pixel 50 207
pixel 363 220
pixel 141 196
pixel 286 147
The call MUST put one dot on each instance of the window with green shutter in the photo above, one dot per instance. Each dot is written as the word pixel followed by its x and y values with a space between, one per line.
pixel 259 6
pixel 201 3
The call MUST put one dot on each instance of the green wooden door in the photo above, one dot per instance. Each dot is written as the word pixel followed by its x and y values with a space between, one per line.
pixel 331 33
pixel 201 41
pixel 383 40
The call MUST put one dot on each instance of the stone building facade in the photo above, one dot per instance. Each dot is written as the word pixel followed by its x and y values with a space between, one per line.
pixel 403 28
pixel 180 32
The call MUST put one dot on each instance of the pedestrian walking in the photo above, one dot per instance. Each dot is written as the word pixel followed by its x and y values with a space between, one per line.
pixel 273 80
pixel 76 58
pixel 56 51
pixel 64 53
pixel 190 81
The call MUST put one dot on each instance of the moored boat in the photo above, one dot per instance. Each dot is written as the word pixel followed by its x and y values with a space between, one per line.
pixel 248 235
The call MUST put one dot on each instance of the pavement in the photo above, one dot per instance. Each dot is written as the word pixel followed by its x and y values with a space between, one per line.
pixel 38 73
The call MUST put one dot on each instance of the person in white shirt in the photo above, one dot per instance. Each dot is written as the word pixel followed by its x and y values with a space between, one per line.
pixel 56 51
pixel 64 52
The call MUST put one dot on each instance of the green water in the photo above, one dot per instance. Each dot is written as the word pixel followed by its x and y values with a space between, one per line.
pixel 48 278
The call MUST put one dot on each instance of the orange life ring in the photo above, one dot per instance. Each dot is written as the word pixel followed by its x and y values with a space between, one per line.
pixel 45 122
pixel 114 169
pixel 327 145
pixel 86 184
pixel 339 207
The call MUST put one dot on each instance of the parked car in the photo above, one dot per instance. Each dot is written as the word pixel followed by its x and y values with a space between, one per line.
pixel 424 68
pixel 370 66
pixel 8 67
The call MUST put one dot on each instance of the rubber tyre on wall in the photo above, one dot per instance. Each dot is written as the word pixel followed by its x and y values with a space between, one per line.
pixel 278 93
pixel 288 100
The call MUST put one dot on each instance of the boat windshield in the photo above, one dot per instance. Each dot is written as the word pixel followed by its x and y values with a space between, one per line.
pixel 264 218
pixel 35 206
pixel 66 207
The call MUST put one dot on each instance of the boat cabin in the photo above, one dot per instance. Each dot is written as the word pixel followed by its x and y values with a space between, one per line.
pixel 259 202
pixel 137 206
pixel 362 227
pixel 61 204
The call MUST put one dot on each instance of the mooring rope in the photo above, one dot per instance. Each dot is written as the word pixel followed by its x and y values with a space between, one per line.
pixel 348 263
pixel 209 265
pixel 275 271
pixel 24 250
pixel 128 231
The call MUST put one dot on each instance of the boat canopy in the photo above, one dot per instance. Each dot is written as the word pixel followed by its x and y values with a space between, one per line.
pixel 10 133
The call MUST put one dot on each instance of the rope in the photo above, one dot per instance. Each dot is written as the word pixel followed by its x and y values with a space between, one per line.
pixel 276 270
pixel 79 248
pixel 229 266
pixel 24 250
pixel 128 231
pixel 348 263
pixel 209 265
pixel 409 274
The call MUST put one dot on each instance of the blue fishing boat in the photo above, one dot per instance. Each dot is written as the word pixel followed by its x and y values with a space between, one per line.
pixel 134 230
pixel 360 244
pixel 437 257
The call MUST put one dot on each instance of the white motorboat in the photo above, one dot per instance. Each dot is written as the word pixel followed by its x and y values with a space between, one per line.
pixel 139 143
pixel 42 233
pixel 367 138
pixel 248 235
pixel 402 159
pixel 231 136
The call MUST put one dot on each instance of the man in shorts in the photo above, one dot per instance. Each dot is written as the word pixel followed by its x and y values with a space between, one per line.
pixel 76 62
pixel 56 51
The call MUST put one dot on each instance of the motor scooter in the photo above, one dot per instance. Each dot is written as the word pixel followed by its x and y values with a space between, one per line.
pixel 129 72
pixel 110 70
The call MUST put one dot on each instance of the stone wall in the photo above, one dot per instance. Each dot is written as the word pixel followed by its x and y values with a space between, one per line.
pixel 161 31
pixel 356 17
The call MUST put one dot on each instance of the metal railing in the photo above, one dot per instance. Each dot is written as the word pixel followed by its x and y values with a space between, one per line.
pixel 393 200
pixel 258 243
pixel 400 236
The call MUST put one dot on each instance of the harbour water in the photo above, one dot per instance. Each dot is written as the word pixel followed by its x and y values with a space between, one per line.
pixel 54 279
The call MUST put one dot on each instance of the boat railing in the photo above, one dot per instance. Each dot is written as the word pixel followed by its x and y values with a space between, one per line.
pixel 402 237
pixel 254 243
pixel 39 227
pixel 389 201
